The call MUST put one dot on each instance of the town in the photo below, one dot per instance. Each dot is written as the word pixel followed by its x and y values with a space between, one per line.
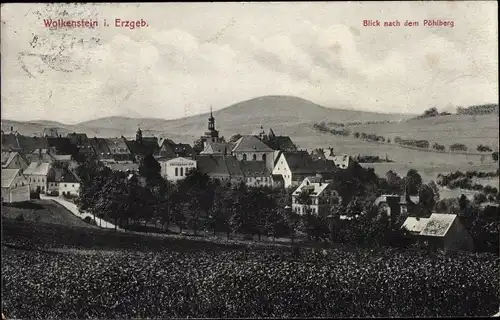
pixel 321 184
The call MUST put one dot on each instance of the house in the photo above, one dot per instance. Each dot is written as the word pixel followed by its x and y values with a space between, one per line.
pixel 294 166
pixel 14 160
pixel 143 146
pixel 283 143
pixel 101 148
pixel 221 167
pixel 184 150
pixel 119 149
pixel 177 168
pixel 251 148
pixel 321 195
pixel 446 232
pixel 62 146
pixel 82 142
pixel 257 174
pixel 217 148
pixel 15 186
pixel 37 173
pixel 30 144
pixel 49 156
pixel 63 181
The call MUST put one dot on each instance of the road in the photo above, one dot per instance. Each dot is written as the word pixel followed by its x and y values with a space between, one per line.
pixel 74 210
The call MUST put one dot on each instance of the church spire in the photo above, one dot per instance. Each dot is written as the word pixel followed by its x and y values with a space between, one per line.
pixel 211 121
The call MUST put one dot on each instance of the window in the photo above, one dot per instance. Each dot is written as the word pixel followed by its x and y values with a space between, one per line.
pixel 176 172
pixel 244 157
pixel 72 185
pixel 254 157
pixel 182 172
pixel 264 157
pixel 65 185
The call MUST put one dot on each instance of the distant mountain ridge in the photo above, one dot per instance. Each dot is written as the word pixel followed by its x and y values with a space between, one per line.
pixel 245 117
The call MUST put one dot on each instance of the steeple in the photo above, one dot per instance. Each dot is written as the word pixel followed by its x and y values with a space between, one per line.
pixel 211 121
pixel 262 133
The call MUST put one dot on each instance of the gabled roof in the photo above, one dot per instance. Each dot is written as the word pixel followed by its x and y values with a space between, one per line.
pixel 78 138
pixel 8 156
pixel 298 161
pixel 184 150
pixel 100 145
pixel 438 225
pixel 117 143
pixel 28 144
pixel 415 225
pixel 342 161
pixel 8 176
pixel 162 141
pixel 315 186
pixel 63 175
pixel 62 145
pixel 38 168
pixel 251 144
pixel 255 169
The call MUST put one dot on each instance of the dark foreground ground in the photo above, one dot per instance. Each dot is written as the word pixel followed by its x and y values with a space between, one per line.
pixel 60 272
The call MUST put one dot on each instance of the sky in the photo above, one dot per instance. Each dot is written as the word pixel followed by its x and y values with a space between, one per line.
pixel 191 56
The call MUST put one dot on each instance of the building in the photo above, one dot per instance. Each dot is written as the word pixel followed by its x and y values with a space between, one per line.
pixel 321 194
pixel 177 168
pixel 62 146
pixel 169 149
pixel 14 160
pixel 82 142
pixel 294 167
pixel 123 166
pixel 48 155
pixel 63 182
pixel 221 167
pixel 101 148
pixel 441 232
pixel 257 174
pixel 10 141
pixel 37 173
pixel 283 143
pixel 15 186
pixel 143 146
pixel 119 149
pixel 217 148
pixel 251 148
pixel 30 144
pixel 212 135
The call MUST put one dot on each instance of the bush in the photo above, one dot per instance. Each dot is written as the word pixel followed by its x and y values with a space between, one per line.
pixel 20 217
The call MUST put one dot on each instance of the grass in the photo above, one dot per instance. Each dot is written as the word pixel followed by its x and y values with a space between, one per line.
pixel 42 211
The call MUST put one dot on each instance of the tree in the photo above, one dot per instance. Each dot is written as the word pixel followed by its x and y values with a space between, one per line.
pixel 235 137
pixel 427 198
pixel 198 145
pixel 413 181
pixel 149 168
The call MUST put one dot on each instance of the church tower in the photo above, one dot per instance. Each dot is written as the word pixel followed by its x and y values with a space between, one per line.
pixel 138 136
pixel 211 121
pixel 212 135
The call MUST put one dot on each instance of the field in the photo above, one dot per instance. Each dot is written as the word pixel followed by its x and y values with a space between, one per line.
pixel 92 273
pixel 42 211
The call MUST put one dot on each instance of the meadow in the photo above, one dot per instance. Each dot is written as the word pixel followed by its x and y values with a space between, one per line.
pixel 59 272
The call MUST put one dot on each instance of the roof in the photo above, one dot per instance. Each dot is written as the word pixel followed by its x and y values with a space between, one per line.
pixel 63 157
pixel 7 157
pixel 10 141
pixel 28 144
pixel 251 144
pixel 298 161
pixel 383 198
pixel 342 161
pixel 438 225
pixel 8 176
pixel 38 168
pixel 414 199
pixel 216 148
pixel 254 168
pixel 219 164
pixel 130 166
pixel 50 132
pixel 117 143
pixel 100 146
pixel 313 184
pixel 161 141
pixel 78 138
pixel 414 224
pixel 62 145
pixel 184 150
pixel 63 175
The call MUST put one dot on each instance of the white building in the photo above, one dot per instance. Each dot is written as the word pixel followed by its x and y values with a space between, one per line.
pixel 36 174
pixel 15 186
pixel 177 168
pixel 321 195
pixel 63 181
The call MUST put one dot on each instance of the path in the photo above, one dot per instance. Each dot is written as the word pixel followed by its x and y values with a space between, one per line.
pixel 74 210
